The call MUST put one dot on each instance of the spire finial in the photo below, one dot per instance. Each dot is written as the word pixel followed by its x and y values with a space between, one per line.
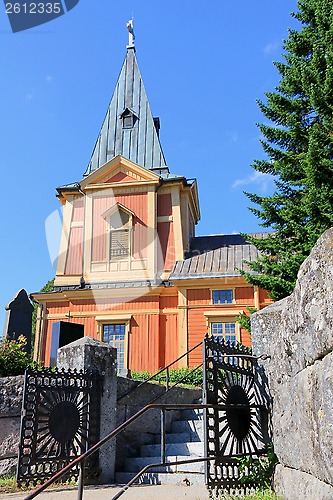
pixel 131 36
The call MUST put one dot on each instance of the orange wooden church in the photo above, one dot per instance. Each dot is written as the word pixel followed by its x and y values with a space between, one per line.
pixel 130 268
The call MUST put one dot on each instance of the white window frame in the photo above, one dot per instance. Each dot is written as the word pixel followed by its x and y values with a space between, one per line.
pixel 117 320
pixel 126 227
pixel 213 317
pixel 232 289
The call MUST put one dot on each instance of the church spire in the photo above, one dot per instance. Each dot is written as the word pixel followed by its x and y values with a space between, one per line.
pixel 129 128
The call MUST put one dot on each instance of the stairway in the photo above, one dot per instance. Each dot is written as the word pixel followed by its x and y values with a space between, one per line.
pixel 186 440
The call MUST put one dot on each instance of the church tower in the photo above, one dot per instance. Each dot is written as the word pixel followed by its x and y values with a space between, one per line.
pixel 128 219
pixel 130 270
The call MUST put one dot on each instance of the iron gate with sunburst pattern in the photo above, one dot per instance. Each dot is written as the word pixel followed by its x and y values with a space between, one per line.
pixel 60 420
pixel 238 426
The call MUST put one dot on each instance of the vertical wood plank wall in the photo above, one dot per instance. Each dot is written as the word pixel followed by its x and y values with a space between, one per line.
pixel 154 337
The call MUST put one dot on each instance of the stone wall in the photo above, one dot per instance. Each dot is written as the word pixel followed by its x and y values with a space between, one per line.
pixel 297 332
pixel 11 392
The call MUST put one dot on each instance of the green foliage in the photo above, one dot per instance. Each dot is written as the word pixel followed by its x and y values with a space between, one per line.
pixel 46 288
pixel 13 359
pixel 245 320
pixel 192 378
pixel 259 471
pixel 258 495
pixel 298 146
pixel 8 484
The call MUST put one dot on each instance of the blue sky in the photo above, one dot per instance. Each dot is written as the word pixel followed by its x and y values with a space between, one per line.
pixel 204 64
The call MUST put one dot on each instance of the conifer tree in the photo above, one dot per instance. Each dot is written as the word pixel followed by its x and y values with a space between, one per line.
pixel 298 143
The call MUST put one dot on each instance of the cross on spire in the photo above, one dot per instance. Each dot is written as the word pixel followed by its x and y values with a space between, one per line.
pixel 131 36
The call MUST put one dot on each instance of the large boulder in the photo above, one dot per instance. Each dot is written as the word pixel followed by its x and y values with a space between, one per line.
pixel 297 332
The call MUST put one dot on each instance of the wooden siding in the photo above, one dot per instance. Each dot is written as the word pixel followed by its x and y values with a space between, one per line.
pixel 164 205
pixel 120 177
pixel 169 302
pixel 82 306
pixel 264 297
pixel 143 343
pixel 199 296
pixel 169 339
pixel 245 337
pixel 57 307
pixel 244 295
pixel 197 329
pixel 137 203
pixel 153 339
pixel 78 210
pixel 167 242
pixel 74 255
pixel 139 239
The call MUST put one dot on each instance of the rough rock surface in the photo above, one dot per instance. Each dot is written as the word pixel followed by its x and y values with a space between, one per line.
pixel 11 393
pixel 296 485
pixel 298 334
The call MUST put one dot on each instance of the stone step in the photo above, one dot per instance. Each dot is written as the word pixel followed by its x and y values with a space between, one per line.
pixel 181 479
pixel 193 427
pixel 137 464
pixel 188 449
pixel 192 415
pixel 178 437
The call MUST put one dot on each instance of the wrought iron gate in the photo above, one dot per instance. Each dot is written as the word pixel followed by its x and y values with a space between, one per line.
pixel 239 427
pixel 60 420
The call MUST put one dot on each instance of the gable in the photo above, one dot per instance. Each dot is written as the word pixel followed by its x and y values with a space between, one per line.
pixel 120 177
pixel 118 171
pixel 122 174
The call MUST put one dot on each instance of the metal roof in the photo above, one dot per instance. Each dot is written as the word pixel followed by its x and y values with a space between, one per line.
pixel 216 257
pixel 139 143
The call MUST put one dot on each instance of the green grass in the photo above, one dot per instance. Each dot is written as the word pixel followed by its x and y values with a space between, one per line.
pixel 259 495
pixel 8 484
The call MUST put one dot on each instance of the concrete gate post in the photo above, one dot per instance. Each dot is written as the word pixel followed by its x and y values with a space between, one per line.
pixel 91 354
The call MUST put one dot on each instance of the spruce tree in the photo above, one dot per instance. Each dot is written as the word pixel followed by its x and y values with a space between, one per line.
pixel 298 145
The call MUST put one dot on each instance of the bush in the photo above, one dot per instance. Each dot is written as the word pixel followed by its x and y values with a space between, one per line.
pixel 192 378
pixel 13 359
pixel 260 471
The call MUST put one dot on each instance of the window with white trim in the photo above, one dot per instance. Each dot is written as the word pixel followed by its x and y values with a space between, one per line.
pixel 225 330
pixel 222 296
pixel 120 225
pixel 114 335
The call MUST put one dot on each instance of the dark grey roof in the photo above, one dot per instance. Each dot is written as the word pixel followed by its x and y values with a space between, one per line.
pixel 140 143
pixel 110 285
pixel 73 186
pixel 215 257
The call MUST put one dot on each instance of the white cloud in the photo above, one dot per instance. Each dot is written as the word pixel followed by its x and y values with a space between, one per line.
pixel 271 47
pixel 258 178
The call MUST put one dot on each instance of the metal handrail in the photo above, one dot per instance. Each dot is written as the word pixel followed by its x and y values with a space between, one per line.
pixel 162 370
pixel 151 466
pixel 119 429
